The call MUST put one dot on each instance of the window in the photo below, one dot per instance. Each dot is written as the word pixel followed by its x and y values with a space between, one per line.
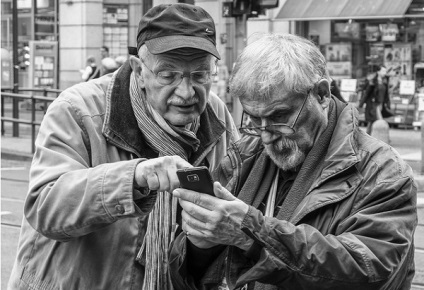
pixel 115 29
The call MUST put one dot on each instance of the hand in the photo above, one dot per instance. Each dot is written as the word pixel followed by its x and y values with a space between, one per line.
pixel 160 173
pixel 211 220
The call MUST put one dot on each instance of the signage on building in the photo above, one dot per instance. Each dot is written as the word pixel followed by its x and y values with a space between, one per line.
pixel 372 33
pixel 43 64
pixel 348 85
pixel 407 87
pixel 6 68
pixel 389 31
pixel 420 102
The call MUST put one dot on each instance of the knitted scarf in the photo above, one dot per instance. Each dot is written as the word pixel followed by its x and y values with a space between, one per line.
pixel 167 140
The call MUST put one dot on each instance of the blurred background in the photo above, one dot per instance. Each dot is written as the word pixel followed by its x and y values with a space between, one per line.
pixel 46 43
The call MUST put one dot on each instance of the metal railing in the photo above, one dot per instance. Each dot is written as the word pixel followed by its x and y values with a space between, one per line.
pixel 38 96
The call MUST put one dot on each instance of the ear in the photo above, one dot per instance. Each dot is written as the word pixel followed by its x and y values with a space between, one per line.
pixel 323 93
pixel 137 68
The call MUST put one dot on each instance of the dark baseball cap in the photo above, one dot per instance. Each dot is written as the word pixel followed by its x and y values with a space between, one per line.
pixel 171 26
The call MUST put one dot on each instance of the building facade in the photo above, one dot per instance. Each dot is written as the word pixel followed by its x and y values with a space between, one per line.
pixel 77 29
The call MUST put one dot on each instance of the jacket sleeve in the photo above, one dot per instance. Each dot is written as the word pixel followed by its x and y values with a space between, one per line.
pixel 73 192
pixel 370 248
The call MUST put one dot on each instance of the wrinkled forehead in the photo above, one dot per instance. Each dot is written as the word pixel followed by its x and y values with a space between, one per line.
pixel 181 56
pixel 278 98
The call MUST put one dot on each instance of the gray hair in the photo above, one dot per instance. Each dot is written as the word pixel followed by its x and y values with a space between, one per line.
pixel 277 62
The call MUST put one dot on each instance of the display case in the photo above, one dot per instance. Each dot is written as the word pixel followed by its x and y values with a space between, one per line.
pixel 339 60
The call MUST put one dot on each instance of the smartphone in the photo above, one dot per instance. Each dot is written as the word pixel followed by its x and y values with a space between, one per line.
pixel 197 179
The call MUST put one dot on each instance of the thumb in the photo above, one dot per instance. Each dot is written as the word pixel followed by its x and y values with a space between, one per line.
pixel 221 192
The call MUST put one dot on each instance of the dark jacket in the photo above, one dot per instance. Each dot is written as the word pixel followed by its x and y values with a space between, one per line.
pixel 374 95
pixel 353 230
pixel 82 227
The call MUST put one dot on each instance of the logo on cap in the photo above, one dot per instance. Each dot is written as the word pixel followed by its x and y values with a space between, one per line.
pixel 208 31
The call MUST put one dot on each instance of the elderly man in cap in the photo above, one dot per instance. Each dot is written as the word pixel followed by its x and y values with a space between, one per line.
pixel 99 214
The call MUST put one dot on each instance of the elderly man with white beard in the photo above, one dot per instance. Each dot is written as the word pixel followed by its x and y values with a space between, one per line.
pixel 307 200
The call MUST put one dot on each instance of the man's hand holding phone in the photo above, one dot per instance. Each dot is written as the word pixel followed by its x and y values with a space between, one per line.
pixel 208 219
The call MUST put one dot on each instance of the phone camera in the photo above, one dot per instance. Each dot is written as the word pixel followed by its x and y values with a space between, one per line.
pixel 193 178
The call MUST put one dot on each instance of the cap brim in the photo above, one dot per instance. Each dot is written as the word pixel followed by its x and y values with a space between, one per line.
pixel 167 43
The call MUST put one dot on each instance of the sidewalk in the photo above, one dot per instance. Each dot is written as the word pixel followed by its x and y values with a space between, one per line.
pixel 16 148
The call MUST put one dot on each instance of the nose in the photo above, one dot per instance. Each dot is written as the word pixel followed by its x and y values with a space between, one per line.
pixel 268 134
pixel 269 137
pixel 185 89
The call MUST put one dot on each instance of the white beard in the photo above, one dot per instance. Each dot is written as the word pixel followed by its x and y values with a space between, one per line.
pixel 285 153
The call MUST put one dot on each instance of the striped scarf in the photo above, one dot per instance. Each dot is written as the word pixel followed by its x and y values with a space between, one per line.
pixel 167 140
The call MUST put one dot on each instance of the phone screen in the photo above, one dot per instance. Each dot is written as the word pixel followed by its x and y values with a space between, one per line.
pixel 197 179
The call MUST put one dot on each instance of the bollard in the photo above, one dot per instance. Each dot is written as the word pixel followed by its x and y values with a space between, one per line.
pixel 380 130
pixel 422 147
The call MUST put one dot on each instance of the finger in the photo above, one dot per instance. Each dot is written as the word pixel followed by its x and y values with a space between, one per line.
pixel 221 192
pixel 200 199
pixel 181 163
pixel 162 167
pixel 152 181
pixel 190 221
pixel 172 177
pixel 191 226
pixel 173 181
pixel 195 211
pixel 163 184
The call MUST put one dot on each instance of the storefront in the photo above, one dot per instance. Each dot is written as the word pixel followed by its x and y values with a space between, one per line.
pixel 356 35
pixel 37 21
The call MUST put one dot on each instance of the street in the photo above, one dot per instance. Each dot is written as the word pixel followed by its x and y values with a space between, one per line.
pixel 14 185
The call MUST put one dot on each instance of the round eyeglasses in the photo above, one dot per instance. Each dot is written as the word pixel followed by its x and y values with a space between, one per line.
pixel 168 77
pixel 280 128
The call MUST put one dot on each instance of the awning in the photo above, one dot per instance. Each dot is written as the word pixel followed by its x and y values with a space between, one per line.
pixel 301 10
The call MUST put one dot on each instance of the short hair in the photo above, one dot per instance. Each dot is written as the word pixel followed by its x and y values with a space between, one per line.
pixel 277 62
pixel 105 48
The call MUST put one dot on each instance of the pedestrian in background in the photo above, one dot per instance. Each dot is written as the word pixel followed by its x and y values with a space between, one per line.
pixel 98 214
pixel 109 65
pixel 375 96
pixel 104 51
pixel 309 201
pixel 91 71
pixel 120 60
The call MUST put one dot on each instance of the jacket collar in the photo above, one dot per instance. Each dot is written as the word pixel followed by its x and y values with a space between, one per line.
pixel 342 152
pixel 340 161
pixel 121 125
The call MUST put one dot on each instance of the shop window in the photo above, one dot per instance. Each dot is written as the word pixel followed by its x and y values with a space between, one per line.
pixel 115 29
pixel 347 30
pixel 24 5
pixel 45 20
pixel 6 7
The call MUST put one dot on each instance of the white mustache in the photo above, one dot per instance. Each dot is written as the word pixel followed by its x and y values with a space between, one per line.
pixel 181 102
pixel 285 144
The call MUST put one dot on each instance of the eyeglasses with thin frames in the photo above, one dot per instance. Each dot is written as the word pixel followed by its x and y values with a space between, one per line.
pixel 174 78
pixel 280 128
